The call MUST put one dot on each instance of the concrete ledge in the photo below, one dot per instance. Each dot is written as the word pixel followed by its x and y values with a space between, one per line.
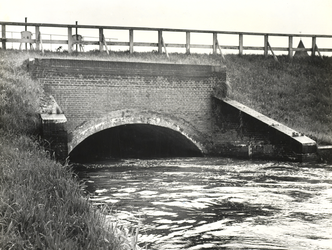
pixel 57 118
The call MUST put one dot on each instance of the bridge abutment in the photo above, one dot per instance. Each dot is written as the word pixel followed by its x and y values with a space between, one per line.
pixel 190 99
pixel 54 132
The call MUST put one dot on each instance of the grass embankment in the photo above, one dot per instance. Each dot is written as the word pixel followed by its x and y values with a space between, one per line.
pixel 41 204
pixel 296 93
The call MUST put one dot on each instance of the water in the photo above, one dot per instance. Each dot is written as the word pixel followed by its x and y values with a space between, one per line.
pixel 217 203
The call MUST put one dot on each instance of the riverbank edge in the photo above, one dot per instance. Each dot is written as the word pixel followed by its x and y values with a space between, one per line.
pixel 43 205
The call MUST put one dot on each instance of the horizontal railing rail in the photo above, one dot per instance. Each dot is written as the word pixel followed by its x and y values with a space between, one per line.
pixel 160 43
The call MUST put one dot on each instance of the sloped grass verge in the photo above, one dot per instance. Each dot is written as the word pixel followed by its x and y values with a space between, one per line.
pixel 297 93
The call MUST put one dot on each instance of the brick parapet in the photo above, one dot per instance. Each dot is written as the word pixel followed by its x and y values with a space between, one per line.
pixel 53 67
pixel 90 89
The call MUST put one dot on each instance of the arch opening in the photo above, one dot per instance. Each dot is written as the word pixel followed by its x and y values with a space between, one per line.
pixel 134 141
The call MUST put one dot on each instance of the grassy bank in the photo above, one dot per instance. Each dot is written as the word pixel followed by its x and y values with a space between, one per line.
pixel 296 93
pixel 41 203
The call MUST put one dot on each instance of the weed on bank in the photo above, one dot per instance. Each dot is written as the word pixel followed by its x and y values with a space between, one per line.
pixel 42 205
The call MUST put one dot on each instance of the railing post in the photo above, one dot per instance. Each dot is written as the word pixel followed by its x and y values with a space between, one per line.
pixel 26 28
pixel 131 41
pixel 266 46
pixel 3 31
pixel 160 45
pixel 76 37
pixel 101 39
pixel 37 37
pixel 290 47
pixel 187 42
pixel 313 49
pixel 240 44
pixel 70 41
pixel 214 44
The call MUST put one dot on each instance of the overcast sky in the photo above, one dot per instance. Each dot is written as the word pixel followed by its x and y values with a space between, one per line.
pixel 271 16
pixel 282 16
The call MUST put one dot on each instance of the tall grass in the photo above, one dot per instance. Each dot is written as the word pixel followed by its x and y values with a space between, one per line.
pixel 41 203
pixel 19 96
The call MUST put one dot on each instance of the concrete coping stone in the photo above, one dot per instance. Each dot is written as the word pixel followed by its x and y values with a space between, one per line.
pixel 58 118
pixel 328 147
pixel 116 67
pixel 214 66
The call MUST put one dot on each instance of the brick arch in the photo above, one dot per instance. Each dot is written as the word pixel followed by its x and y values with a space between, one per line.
pixel 131 116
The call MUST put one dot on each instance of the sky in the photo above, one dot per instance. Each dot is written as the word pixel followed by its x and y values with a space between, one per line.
pixel 273 16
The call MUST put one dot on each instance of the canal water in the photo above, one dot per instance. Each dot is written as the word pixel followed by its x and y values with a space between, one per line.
pixel 215 203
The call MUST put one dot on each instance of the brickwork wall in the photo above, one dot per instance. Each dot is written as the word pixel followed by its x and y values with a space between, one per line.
pixel 87 90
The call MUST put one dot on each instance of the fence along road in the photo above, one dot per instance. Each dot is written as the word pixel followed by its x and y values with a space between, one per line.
pixel 161 43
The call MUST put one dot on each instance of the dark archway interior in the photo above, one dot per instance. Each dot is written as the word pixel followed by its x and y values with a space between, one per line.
pixel 134 141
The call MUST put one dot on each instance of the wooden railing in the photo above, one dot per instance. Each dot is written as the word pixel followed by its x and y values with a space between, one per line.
pixel 160 44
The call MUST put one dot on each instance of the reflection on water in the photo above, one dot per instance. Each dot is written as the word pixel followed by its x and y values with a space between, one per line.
pixel 217 203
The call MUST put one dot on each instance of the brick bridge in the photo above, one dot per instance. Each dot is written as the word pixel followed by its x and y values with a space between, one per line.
pixel 184 103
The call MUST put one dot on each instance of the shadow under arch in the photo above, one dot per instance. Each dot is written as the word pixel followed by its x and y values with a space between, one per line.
pixel 132 116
